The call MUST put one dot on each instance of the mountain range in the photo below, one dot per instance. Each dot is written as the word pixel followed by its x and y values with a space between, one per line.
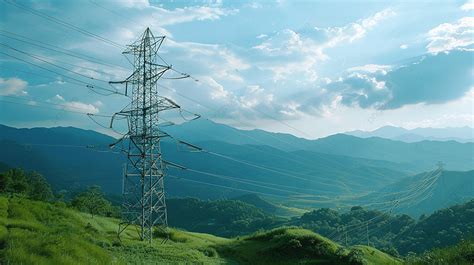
pixel 292 171
pixel 460 134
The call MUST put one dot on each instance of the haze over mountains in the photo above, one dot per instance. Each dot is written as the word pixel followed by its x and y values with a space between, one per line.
pixel 288 170
pixel 459 134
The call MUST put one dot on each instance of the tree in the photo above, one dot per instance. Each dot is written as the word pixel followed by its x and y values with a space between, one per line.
pixel 39 188
pixel 92 201
pixel 13 181
pixel 31 184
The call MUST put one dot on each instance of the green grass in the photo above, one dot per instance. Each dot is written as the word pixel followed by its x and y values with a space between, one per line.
pixel 375 256
pixel 33 232
pixel 292 245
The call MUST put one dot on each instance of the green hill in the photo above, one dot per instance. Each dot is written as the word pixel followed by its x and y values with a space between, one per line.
pixel 33 232
pixel 449 188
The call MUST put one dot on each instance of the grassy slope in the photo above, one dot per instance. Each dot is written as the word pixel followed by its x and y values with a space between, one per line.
pixel 292 245
pixel 34 232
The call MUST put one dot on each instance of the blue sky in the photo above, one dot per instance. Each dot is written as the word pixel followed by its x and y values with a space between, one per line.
pixel 319 66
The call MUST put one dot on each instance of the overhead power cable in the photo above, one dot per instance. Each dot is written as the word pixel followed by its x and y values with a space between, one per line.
pixel 50 47
pixel 258 140
pixel 88 85
pixel 227 187
pixel 64 24
pixel 53 64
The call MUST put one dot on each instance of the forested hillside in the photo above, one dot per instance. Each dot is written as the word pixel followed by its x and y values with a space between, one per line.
pixel 226 218
pixel 24 220
pixel 303 179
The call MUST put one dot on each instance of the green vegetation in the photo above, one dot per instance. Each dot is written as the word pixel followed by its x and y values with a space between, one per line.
pixel 34 232
pixel 255 200
pixel 30 184
pixel 222 217
pixel 443 228
pixel 393 233
pixel 92 201
pixel 451 187
pixel 292 245
pixel 53 232
pixel 459 254
pixel 351 226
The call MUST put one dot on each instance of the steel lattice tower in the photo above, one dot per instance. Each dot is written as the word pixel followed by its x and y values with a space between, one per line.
pixel 143 181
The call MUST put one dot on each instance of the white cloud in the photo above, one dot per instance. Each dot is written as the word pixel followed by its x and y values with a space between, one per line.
pixel 165 17
pixel 371 68
pixel 12 86
pixel 449 36
pixel 134 3
pixel 469 5
pixel 356 30
pixel 254 96
pixel 403 46
pixel 77 106
pixel 217 90
pixel 80 106
pixel 302 52
pixel 210 59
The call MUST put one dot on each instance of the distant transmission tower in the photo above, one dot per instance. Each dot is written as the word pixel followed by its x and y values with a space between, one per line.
pixel 143 180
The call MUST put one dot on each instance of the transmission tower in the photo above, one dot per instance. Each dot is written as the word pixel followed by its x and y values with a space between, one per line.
pixel 143 179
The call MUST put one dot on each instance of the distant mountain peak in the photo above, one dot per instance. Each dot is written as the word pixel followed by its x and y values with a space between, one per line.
pixel 459 134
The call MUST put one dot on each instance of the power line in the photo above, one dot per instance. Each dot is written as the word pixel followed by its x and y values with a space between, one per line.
pixel 276 171
pixel 88 85
pixel 89 147
pixel 54 104
pixel 64 24
pixel 255 139
pixel 114 12
pixel 53 64
pixel 37 106
pixel 234 179
pixel 226 187
pixel 57 49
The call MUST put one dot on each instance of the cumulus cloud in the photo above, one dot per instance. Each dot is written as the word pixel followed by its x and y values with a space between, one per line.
pixel 321 38
pixel 469 5
pixel 77 106
pixel 434 79
pixel 301 52
pixel 182 15
pixel 449 36
pixel 371 68
pixel 209 59
pixel 217 90
pixel 356 30
pixel 134 3
pixel 80 106
pixel 12 86
pixel 254 96
pixel 151 14
pixel 362 90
